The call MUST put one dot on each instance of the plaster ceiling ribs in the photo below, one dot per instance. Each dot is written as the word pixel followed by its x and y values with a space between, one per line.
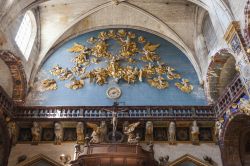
pixel 18 76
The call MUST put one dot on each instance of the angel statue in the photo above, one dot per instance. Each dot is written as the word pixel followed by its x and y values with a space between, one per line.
pixel 149 54
pixel 36 131
pixel 80 132
pixel 195 133
pixel 149 132
pixel 58 130
pixel 158 82
pixel 171 133
pixel 129 131
pixel 184 86
pixel 97 135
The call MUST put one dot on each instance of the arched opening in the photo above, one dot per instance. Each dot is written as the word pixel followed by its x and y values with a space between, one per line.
pixel 26 34
pixel 235 143
pixel 221 72
pixel 245 148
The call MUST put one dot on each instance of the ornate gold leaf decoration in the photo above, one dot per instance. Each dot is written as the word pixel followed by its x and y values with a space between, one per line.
pixel 49 84
pixel 184 86
pixel 129 65
pixel 76 84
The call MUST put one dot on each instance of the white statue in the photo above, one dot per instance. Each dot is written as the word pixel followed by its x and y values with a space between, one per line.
pixel 195 133
pixel 171 133
pixel 36 132
pixel 218 128
pixel 58 133
pixel 149 132
pixel 80 133
pixel 95 136
pixel 12 129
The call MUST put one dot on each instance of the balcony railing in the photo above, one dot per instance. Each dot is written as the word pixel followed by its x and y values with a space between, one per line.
pixel 126 112
pixel 232 92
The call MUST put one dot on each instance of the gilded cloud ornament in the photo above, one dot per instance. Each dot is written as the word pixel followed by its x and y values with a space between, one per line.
pixel 136 61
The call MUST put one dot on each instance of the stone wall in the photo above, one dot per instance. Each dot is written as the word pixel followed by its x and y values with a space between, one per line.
pixel 6 78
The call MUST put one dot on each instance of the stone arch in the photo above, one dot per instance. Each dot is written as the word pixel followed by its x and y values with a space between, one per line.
pixel 18 75
pixel 245 147
pixel 231 139
pixel 221 71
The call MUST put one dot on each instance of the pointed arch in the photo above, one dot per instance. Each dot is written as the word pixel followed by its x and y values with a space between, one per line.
pixel 190 159
pixel 38 158
pixel 160 26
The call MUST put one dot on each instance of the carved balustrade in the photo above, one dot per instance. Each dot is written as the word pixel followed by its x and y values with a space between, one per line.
pixel 131 112
pixel 232 93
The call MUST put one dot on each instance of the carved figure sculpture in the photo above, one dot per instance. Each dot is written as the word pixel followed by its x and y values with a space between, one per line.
pixel 12 129
pixel 66 75
pixel 149 53
pixel 195 133
pixel 103 131
pixel 114 122
pixel 36 132
pixel 244 106
pixel 57 70
pixel 58 130
pixel 129 131
pixel 76 84
pixel 80 133
pixel 149 132
pixel 96 134
pixel 171 133
pixel 184 86
pixel 49 84
pixel 170 73
pixel 158 82
pixel 130 74
pixel 218 128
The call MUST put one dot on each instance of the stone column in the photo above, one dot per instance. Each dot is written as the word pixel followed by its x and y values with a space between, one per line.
pixel 236 42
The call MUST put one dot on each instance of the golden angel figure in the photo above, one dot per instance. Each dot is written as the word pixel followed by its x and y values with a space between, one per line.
pixel 49 84
pixel 184 86
pixel 129 131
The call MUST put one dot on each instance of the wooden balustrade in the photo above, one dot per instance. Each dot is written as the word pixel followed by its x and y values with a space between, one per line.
pixel 232 93
pixel 129 112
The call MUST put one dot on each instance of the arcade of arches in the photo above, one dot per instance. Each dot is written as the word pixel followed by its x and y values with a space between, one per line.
pixel 125 82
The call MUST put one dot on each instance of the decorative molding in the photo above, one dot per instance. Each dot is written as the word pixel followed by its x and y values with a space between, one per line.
pixel 188 157
pixel 234 37
pixel 37 158
pixel 247 24
pixel 18 75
